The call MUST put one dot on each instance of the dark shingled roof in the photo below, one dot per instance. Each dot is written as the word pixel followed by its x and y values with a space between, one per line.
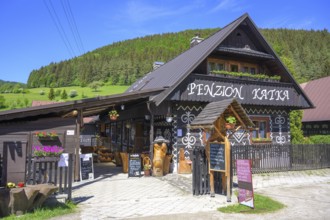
pixel 171 74
pixel 214 110
pixel 177 69
pixel 318 91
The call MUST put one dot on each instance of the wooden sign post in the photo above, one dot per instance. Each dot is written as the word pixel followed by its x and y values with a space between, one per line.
pixel 213 119
pixel 220 162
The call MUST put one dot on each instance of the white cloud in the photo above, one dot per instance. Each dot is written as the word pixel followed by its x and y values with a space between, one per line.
pixel 226 5
pixel 138 11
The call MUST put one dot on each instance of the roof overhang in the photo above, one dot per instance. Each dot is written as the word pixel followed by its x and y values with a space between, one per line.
pixel 88 107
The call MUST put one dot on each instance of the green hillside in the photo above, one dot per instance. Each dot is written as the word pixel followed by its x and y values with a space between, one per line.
pixel 21 100
pixel 306 53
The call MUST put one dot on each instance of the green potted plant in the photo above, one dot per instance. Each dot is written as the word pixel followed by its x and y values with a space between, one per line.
pixel 113 114
pixel 230 122
pixel 146 169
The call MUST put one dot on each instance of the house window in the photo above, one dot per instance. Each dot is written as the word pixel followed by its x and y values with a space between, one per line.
pixel 245 69
pixel 234 68
pixel 261 130
pixel 252 70
pixel 215 66
pixel 220 66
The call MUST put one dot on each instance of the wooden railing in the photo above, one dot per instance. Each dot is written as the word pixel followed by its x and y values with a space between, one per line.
pixel 273 158
pixel 39 172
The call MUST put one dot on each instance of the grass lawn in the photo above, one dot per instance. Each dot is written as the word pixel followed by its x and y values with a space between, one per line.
pixel 24 100
pixel 262 204
pixel 46 212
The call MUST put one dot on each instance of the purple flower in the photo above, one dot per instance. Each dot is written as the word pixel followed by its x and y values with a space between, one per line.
pixel 46 151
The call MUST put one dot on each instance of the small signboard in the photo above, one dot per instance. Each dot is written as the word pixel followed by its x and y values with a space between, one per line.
pixel 86 167
pixel 64 160
pixel 244 178
pixel 70 132
pixel 134 165
pixel 217 156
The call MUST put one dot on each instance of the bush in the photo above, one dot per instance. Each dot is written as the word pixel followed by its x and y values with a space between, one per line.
pixel 320 139
pixel 73 93
pixel 41 92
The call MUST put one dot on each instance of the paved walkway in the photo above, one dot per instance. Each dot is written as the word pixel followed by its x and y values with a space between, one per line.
pixel 115 196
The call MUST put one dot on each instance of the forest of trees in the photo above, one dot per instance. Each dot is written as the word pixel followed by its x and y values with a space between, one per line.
pixel 306 53
pixel 12 87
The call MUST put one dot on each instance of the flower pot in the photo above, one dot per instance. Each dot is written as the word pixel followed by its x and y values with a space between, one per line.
pixel 229 126
pixel 147 172
pixel 47 138
pixel 113 117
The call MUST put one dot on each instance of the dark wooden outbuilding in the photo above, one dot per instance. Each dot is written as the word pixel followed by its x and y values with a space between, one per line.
pixel 166 101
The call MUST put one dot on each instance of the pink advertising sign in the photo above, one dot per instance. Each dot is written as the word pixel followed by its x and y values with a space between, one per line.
pixel 244 178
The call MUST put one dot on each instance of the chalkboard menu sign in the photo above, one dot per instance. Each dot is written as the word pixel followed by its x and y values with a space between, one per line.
pixel 86 167
pixel 134 165
pixel 217 156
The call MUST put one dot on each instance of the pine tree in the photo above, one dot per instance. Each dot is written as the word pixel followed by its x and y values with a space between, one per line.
pixel 64 95
pixel 51 94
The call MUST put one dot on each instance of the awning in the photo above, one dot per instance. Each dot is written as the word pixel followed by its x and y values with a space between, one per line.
pixel 215 110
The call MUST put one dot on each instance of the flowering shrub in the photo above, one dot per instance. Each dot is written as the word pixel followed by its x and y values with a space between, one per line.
pixel 41 134
pixel 47 151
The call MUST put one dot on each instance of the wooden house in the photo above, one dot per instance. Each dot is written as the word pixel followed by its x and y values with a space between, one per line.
pixel 235 62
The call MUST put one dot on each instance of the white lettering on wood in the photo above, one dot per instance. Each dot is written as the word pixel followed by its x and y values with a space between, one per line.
pixel 214 90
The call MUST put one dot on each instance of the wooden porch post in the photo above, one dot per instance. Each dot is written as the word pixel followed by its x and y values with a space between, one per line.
pixel 151 132
pixel 79 122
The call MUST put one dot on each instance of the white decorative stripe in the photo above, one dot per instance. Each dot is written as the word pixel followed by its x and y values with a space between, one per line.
pixel 265 111
pixel 190 108
pixel 289 134
pixel 271 128
pixel 201 136
pixel 175 145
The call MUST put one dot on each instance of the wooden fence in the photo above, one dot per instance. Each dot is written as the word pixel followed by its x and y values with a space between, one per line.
pixel 265 158
pixel 273 158
pixel 48 172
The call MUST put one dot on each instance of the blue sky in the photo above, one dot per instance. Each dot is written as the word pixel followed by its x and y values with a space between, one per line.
pixel 30 39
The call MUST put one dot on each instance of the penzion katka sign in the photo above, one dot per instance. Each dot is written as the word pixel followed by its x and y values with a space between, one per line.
pixel 203 89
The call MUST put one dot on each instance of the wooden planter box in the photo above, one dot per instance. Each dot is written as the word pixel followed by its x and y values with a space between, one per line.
pixel 46 159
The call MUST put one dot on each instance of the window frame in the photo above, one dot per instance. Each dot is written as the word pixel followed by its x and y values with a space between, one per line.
pixel 265 119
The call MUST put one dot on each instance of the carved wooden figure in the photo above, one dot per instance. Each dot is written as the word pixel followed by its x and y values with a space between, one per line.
pixel 159 158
